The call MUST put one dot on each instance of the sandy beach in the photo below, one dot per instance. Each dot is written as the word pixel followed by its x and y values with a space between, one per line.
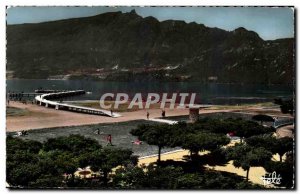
pixel 40 117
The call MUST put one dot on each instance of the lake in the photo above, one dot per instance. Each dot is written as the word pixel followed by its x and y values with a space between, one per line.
pixel 206 93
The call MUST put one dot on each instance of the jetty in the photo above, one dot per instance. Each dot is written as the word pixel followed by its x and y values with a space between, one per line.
pixel 47 101
pixel 12 95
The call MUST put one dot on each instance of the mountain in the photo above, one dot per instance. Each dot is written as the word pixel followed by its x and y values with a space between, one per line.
pixel 127 47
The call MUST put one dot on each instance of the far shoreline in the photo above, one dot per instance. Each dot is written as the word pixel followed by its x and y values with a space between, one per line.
pixel 156 81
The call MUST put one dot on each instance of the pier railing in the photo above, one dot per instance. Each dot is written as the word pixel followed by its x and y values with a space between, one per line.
pixel 46 100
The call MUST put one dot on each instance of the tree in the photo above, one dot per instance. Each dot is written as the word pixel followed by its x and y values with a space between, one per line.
pixel 33 164
pixel 130 178
pixel 215 125
pixel 21 167
pixel 104 160
pixel 50 164
pixel 283 145
pixel 239 127
pixel 201 141
pixel 159 135
pixel 283 169
pixel 47 181
pixel 262 118
pixel 17 144
pixel 266 141
pixel 246 129
pixel 147 177
pixel 278 146
pixel 190 181
pixel 23 174
pixel 245 156
pixel 76 144
pixel 162 177
pixel 286 106
pixel 170 177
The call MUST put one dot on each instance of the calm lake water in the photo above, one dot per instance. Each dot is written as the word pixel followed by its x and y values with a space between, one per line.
pixel 206 93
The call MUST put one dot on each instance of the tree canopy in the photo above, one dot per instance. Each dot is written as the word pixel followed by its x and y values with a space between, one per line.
pixel 263 118
pixel 286 106
pixel 171 177
pixel 202 141
pixel 34 164
pixel 52 163
pixel 278 146
pixel 159 135
pixel 245 156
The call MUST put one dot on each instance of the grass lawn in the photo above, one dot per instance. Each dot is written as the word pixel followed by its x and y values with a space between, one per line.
pixel 243 106
pixel 119 131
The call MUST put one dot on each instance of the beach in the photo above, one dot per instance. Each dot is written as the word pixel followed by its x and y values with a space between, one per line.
pixel 41 117
pixel 37 117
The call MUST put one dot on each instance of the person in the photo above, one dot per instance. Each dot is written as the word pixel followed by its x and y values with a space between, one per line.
pixel 109 140
pixel 137 142
pixel 148 114
pixel 98 131
pixel 7 101
pixel 111 112
pixel 23 133
pixel 19 133
pixel 163 113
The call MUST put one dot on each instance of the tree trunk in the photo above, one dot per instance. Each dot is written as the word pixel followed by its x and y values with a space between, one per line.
pixel 105 177
pixel 194 155
pixel 159 152
pixel 247 175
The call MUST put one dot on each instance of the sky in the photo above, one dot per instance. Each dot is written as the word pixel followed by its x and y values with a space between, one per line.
pixel 269 23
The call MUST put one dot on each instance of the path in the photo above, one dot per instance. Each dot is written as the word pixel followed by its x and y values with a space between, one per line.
pixel 286 131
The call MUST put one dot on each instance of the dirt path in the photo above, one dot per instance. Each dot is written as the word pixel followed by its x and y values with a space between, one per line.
pixel 286 131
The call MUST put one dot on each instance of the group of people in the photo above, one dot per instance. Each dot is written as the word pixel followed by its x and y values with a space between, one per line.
pixel 163 114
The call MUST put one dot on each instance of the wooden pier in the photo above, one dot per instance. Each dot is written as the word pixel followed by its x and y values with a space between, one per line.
pixel 46 100
pixel 21 95
pixel 48 91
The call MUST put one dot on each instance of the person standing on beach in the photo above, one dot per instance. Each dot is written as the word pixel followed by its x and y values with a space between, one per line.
pixel 109 140
pixel 148 114
pixel 163 113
